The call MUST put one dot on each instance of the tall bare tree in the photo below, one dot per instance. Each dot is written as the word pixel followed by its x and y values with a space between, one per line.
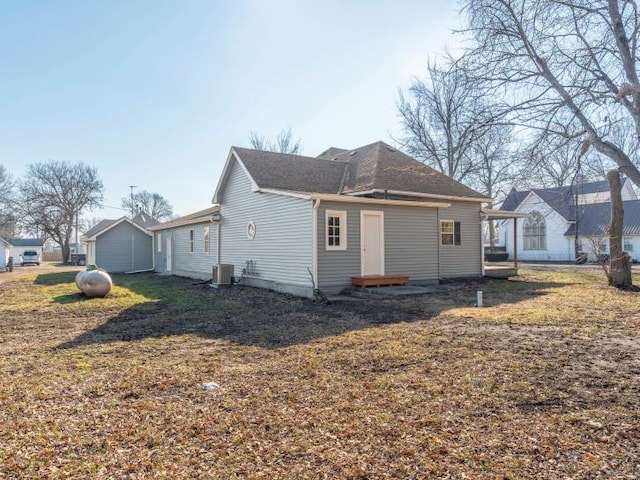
pixel 552 58
pixel 52 196
pixel 284 143
pixel 7 204
pixel 443 117
pixel 152 204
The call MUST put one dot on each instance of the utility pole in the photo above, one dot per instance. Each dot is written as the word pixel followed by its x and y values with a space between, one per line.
pixel 132 230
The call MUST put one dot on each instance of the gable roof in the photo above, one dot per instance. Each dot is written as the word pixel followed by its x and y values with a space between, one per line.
pixel 105 225
pixel 26 242
pixel 201 216
pixel 331 152
pixel 594 219
pixel 561 199
pixel 101 225
pixel 373 168
pixel 4 242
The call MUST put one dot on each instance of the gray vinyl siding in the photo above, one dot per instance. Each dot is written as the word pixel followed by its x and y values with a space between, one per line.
pixel 114 248
pixel 282 247
pixel 462 260
pixel 184 263
pixel 197 264
pixel 410 240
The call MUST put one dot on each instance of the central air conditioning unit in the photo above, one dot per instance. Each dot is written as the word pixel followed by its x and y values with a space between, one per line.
pixel 223 274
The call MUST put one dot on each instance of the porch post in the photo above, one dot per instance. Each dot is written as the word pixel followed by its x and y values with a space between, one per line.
pixel 515 244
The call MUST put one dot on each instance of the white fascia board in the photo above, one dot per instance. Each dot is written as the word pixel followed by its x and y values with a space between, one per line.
pixel 526 200
pixel 421 195
pixel 233 156
pixel 377 201
pixel 285 193
pixel 114 224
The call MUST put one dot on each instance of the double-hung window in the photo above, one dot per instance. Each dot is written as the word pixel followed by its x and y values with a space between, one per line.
pixel 191 241
pixel 450 233
pixel 206 239
pixel 336 230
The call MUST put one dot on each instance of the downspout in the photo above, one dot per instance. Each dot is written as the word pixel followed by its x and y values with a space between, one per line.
pixel 438 239
pixel 483 218
pixel 218 242
pixel 314 240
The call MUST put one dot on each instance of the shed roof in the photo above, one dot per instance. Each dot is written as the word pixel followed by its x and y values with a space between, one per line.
pixel 26 242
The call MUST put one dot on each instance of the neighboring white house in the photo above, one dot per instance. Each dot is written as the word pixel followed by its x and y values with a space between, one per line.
pixel 20 245
pixel 121 245
pixel 287 222
pixel 5 253
pixel 549 231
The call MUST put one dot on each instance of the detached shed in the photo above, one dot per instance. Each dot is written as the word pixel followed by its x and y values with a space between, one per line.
pixel 20 245
pixel 121 245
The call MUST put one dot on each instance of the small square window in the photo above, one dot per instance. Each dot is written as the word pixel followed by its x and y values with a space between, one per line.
pixel 450 232
pixel 336 230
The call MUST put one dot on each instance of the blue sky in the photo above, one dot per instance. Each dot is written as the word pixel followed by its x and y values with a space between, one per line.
pixel 154 93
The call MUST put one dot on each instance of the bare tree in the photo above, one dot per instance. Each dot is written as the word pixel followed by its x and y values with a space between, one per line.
pixel 553 58
pixel 152 204
pixel 52 196
pixel 284 143
pixel 619 273
pixel 443 117
pixel 7 204
pixel 496 164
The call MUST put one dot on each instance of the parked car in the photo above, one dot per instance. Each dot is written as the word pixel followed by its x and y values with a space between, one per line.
pixel 30 256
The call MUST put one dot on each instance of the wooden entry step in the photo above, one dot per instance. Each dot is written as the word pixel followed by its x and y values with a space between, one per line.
pixel 379 280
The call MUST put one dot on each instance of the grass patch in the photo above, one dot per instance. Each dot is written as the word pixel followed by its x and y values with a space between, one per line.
pixel 542 383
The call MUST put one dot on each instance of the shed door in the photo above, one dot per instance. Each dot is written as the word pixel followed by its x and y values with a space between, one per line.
pixel 168 254
pixel 372 242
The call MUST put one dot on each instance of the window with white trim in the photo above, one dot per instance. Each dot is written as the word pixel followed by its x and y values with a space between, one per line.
pixel 191 241
pixel 535 232
pixel 450 233
pixel 628 244
pixel 206 239
pixel 159 242
pixel 335 230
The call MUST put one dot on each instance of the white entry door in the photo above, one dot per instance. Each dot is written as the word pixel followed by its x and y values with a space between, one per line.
pixel 168 266
pixel 372 242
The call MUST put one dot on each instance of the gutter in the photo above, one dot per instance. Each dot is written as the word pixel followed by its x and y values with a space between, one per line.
pixel 420 195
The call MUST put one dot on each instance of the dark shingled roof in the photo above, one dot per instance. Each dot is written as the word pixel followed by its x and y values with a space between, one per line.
pixel 26 242
pixel 101 225
pixel 594 219
pixel 332 152
pixel 376 166
pixel 561 199
pixel 296 173
pixel 145 221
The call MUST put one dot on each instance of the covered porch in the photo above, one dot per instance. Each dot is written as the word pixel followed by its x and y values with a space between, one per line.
pixel 501 269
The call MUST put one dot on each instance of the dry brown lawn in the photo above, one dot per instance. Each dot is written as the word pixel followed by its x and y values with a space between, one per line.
pixel 544 382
